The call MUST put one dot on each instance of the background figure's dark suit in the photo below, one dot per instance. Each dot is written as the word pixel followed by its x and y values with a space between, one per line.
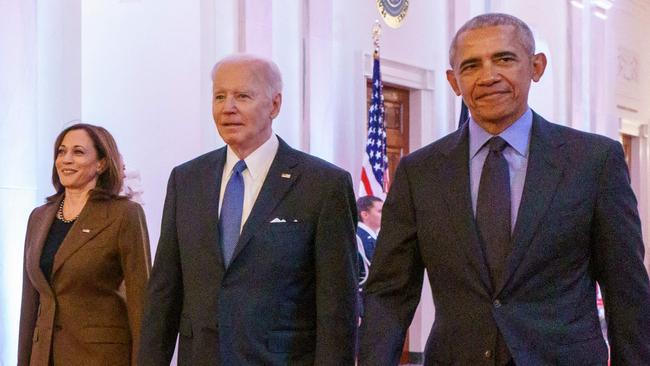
pixel 368 243
pixel 577 223
pixel 366 250
pixel 83 316
pixel 288 295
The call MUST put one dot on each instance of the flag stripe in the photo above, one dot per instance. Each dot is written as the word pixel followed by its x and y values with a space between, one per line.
pixel 366 183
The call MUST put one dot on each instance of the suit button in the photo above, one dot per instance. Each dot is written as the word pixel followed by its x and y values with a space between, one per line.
pixel 487 354
pixel 497 304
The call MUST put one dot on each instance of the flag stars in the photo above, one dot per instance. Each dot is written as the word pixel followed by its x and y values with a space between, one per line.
pixel 376 138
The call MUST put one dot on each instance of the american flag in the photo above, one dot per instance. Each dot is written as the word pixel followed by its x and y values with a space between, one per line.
pixel 374 171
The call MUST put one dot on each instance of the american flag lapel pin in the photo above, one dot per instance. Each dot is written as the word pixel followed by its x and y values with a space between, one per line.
pixel 286 175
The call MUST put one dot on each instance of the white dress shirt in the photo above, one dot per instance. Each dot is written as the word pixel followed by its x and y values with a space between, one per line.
pixel 257 167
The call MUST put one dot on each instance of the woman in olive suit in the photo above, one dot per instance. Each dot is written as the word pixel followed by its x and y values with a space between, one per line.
pixel 87 260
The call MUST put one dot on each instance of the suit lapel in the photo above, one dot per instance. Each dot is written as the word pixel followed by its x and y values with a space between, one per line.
pixel 94 218
pixel 545 166
pixel 459 201
pixel 33 257
pixel 207 210
pixel 284 171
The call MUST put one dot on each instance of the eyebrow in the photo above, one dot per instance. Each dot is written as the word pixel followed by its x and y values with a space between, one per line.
pixel 504 53
pixel 474 60
pixel 220 90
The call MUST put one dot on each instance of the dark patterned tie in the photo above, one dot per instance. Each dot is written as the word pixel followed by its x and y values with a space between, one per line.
pixel 493 209
pixel 231 212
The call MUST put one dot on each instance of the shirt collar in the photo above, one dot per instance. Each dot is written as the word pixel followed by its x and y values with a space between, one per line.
pixel 517 135
pixel 258 161
pixel 368 229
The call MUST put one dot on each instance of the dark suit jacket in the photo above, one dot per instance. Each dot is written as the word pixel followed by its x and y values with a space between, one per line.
pixel 90 312
pixel 288 295
pixel 577 224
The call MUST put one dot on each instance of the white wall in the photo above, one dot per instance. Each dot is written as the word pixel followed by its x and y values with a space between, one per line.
pixel 142 78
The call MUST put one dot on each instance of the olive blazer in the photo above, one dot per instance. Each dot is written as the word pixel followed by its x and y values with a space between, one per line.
pixel 90 311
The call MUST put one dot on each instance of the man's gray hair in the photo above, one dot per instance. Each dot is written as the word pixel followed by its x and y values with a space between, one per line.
pixel 268 70
pixel 524 34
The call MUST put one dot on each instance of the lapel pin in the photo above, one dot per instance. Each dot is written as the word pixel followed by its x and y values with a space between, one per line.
pixel 85 230
pixel 286 175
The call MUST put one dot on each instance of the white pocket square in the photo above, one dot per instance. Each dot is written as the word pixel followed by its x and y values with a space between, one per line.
pixel 277 220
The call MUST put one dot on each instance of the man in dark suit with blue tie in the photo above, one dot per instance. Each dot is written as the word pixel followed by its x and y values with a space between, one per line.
pixel 515 220
pixel 256 263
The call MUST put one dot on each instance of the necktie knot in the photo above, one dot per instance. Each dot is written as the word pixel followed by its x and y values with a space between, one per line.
pixel 497 144
pixel 239 167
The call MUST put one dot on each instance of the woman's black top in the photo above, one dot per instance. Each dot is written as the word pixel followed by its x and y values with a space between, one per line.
pixel 58 231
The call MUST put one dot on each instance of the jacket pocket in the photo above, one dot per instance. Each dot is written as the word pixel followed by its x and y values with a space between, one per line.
pixel 289 227
pixel 290 341
pixel 116 335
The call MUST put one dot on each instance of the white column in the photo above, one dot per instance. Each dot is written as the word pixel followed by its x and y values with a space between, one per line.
pixel 320 76
pixel 17 158
pixel 288 53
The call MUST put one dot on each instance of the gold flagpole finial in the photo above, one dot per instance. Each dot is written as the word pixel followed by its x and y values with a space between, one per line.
pixel 376 34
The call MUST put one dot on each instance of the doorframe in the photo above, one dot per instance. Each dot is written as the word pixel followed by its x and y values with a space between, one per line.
pixel 640 173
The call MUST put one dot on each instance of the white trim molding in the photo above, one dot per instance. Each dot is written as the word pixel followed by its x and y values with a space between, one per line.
pixel 404 75
pixel 633 128
pixel 640 173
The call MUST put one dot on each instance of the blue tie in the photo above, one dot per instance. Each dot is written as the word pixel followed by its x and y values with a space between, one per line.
pixel 231 212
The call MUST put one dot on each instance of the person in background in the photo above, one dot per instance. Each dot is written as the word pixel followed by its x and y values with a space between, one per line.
pixel 369 209
pixel 87 260
pixel 515 220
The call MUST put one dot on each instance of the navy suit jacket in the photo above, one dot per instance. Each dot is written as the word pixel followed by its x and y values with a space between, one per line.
pixel 368 242
pixel 577 224
pixel 288 296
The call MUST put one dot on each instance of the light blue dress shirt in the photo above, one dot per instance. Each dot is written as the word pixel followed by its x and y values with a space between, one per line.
pixel 518 137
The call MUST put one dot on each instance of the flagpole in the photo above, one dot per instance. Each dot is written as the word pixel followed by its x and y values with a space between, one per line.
pixel 374 172
pixel 376 35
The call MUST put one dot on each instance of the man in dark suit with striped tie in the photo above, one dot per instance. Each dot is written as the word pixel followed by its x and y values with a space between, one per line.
pixel 515 220
pixel 256 263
